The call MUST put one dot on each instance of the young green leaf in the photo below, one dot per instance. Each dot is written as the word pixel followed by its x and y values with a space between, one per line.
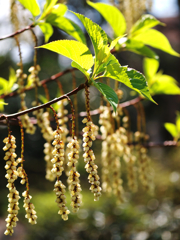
pixel 163 84
pixel 108 93
pixel 12 78
pixel 58 11
pixel 3 86
pixel 156 39
pixel 139 48
pixel 32 6
pixel 150 67
pixel 130 77
pixel 47 30
pixel 53 12
pixel 172 129
pixel 99 40
pixel 67 26
pixel 2 103
pixel 76 51
pixel 112 15
pixel 48 7
pixel 145 22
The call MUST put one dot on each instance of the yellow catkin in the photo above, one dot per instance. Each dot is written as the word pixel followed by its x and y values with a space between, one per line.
pixel 57 169
pixel 73 179
pixel 26 122
pixel 89 157
pixel 11 175
pixel 29 207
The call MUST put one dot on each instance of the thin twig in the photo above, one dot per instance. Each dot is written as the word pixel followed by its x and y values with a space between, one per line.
pixel 18 32
pixel 15 115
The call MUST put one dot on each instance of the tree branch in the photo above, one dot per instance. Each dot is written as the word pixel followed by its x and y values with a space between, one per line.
pixel 18 32
pixel 15 115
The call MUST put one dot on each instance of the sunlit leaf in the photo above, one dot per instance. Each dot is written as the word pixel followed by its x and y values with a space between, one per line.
pixel 139 48
pixel 145 22
pixel 2 103
pixel 76 51
pixel 69 27
pixel 156 39
pixel 164 84
pixel 108 93
pixel 3 86
pixel 130 77
pixel 98 37
pixel 150 67
pixel 32 6
pixel 48 7
pixel 47 30
pixel 12 78
pixel 112 15
pixel 172 129
pixel 58 11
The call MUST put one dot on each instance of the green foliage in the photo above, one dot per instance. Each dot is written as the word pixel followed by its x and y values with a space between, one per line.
pixel 105 65
pixel 157 40
pixel 159 83
pixel 139 48
pixel 130 77
pixel 7 86
pixel 32 6
pixel 76 51
pixel 145 22
pixel 108 93
pixel 112 15
pixel 47 30
pixel 99 40
pixel 48 8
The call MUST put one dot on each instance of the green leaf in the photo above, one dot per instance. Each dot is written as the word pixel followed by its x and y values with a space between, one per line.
pixel 32 6
pixel 69 27
pixel 114 42
pixel 58 11
pixel 156 39
pixel 172 129
pixel 2 103
pixel 112 15
pixel 48 7
pixel 130 77
pixel 139 48
pixel 145 22
pixel 12 78
pixel 3 86
pixel 164 84
pixel 178 121
pixel 99 39
pixel 76 51
pixel 150 67
pixel 47 30
pixel 108 93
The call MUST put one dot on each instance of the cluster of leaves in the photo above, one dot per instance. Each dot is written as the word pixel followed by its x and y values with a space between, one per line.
pixel 104 63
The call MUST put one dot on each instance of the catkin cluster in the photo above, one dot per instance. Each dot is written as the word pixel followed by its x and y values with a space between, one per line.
pixel 144 169
pixel 30 128
pixel 89 157
pixel 29 207
pixel 33 78
pixel 73 179
pixel 57 169
pixel 11 176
